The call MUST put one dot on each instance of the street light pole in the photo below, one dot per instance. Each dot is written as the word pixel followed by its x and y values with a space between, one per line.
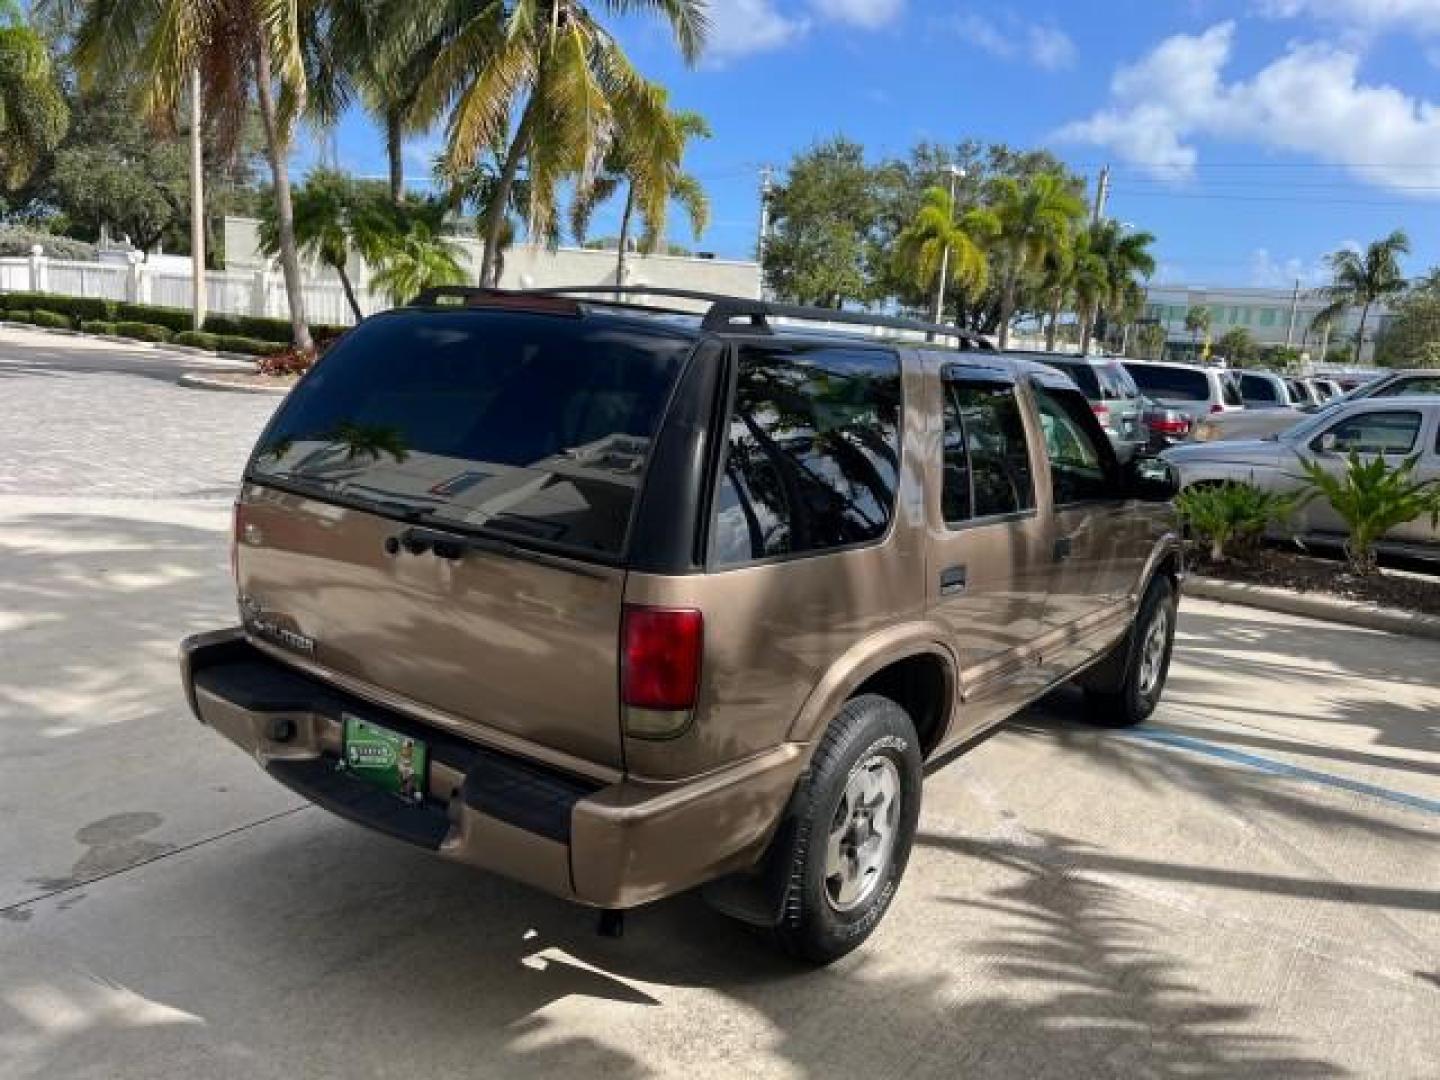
pixel 197 205
pixel 938 312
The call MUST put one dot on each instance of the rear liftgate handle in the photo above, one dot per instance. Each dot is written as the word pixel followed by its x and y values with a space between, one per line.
pixel 1064 548
pixel 953 581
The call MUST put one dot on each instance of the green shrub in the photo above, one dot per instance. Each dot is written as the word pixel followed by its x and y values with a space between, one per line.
pixel 142 331
pixel 1231 518
pixel 18 240
pixel 266 329
pixel 18 315
pixel 176 320
pixel 98 326
pixel 288 362
pixel 78 308
pixel 52 320
pixel 1372 497
pixel 250 346
pixel 197 339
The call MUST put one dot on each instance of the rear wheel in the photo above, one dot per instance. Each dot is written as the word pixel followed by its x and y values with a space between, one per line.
pixel 850 835
pixel 1140 665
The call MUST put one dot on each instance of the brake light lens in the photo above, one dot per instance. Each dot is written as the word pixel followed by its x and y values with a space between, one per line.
pixel 660 660
pixel 1178 426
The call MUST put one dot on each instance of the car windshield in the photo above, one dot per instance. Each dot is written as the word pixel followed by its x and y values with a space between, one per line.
pixel 533 426
pixel 1171 383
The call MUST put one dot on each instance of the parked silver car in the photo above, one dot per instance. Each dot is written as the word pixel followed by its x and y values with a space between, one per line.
pixel 1397 427
pixel 1194 390
pixel 1254 423
pixel 1267 390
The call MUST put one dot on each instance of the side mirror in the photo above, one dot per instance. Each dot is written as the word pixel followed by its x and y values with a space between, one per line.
pixel 1153 479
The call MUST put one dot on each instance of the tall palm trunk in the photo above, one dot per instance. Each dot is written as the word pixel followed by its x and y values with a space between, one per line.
pixel 349 292
pixel 500 200
pixel 1052 328
pixel 625 222
pixel 395 153
pixel 1007 308
pixel 1087 329
pixel 1360 334
pixel 277 142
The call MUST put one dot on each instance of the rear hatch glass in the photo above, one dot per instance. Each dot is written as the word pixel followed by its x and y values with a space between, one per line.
pixel 1173 384
pixel 531 426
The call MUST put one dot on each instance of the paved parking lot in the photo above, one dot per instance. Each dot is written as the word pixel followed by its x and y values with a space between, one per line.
pixel 1248 887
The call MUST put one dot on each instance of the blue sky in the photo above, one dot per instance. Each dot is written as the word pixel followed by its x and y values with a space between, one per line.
pixel 1252 136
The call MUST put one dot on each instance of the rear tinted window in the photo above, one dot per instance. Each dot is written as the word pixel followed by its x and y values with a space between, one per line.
pixel 1083 375
pixel 1257 388
pixel 814 453
pixel 987 458
pixel 1176 384
pixel 532 426
pixel 1106 381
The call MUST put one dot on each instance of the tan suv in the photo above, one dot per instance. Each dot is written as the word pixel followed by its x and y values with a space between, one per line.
pixel 620 601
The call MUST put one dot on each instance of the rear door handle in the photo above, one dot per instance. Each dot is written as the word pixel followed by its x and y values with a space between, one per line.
pixel 953 580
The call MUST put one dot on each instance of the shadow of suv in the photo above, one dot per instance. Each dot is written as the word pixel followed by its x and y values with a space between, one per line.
pixel 619 600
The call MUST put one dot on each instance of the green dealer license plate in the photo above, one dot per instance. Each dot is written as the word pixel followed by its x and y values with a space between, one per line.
pixel 386 759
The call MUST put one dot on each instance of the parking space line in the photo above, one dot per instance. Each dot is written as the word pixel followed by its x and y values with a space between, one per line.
pixel 1272 767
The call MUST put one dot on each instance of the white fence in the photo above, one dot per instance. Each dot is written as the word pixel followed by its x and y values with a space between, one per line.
pixel 255 292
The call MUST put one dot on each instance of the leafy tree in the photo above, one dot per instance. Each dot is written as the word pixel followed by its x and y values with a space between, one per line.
pixel 1035 218
pixel 942 248
pixel 1411 338
pixel 556 68
pixel 823 219
pixel 1197 321
pixel 1239 346
pixel 1364 279
pixel 1150 340
pixel 651 173
pixel 33 114
pixel 416 259
pixel 1372 497
pixel 1125 257
pixel 243 50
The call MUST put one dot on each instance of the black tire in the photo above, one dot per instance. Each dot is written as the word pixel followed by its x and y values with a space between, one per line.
pixel 871 741
pixel 1129 695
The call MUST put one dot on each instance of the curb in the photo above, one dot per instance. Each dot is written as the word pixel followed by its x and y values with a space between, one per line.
pixel 239 363
pixel 1316 606
pixel 197 381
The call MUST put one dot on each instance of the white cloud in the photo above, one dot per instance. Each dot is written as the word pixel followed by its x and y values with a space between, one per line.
pixel 870 14
pixel 1419 15
pixel 1011 38
pixel 742 27
pixel 1309 101
pixel 1267 272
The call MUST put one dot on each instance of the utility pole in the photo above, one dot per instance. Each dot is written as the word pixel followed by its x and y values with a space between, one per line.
pixel 1102 196
pixel 767 187
pixel 938 312
pixel 1294 314
pixel 197 204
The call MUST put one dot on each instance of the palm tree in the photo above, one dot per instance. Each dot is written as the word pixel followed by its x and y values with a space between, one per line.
pixel 938 238
pixel 244 50
pixel 1125 255
pixel 334 218
pixel 1034 219
pixel 566 78
pixel 33 114
pixel 414 260
pixel 1364 280
pixel 1197 321
pixel 650 185
pixel 1089 283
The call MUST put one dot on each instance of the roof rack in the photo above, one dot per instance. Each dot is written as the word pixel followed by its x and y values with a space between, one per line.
pixel 726 314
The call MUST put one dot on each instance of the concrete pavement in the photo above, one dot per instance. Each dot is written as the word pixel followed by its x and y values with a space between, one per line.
pixel 1250 886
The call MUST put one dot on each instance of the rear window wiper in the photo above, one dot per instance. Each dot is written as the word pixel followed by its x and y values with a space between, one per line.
pixel 454 546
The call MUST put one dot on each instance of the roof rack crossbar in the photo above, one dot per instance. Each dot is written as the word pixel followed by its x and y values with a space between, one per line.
pixel 725 313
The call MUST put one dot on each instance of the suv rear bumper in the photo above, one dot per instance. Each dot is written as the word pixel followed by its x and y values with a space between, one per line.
pixel 614 846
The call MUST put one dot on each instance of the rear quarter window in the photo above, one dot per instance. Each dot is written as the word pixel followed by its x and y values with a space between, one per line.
pixel 813 456
pixel 1172 383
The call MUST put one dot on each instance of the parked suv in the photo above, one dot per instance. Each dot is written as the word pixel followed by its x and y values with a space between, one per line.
pixel 1194 390
pixel 620 602
pixel 1255 424
pixel 1113 397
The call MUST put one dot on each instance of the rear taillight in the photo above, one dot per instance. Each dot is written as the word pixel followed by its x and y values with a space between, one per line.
pixel 1102 412
pixel 1171 427
pixel 660 669
pixel 1216 407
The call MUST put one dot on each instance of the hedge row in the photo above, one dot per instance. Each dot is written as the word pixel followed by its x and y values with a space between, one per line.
pixel 176 320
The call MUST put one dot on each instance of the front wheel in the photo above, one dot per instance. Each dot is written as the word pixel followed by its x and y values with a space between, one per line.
pixel 849 838
pixel 1141 662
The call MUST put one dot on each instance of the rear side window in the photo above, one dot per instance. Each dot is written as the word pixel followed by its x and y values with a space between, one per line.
pixel 987 459
pixel 813 461
pixel 531 426
pixel 1116 383
pixel 1412 387
pixel 1084 376
pixel 1257 388
pixel 1175 384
